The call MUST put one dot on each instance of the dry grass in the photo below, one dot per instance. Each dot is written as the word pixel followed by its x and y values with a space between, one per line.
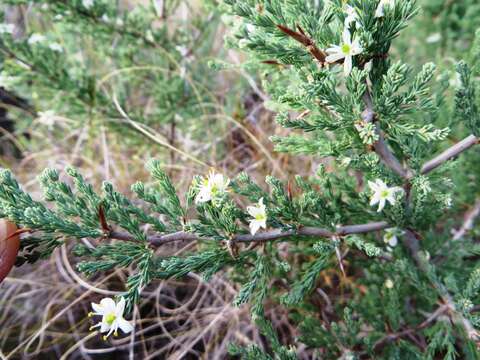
pixel 44 306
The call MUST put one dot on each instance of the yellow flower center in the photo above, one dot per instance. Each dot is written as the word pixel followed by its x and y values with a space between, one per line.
pixel 260 217
pixel 110 318
pixel 384 193
pixel 346 49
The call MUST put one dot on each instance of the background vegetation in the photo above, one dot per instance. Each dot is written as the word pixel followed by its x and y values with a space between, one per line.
pixel 130 81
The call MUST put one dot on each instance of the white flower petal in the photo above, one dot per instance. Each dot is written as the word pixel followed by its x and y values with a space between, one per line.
pixel 347 66
pixel 120 307
pixel 125 325
pixel 393 241
pixel 381 205
pixel 108 305
pixel 373 185
pixel 347 37
pixel 254 226
pixel 98 309
pixel 334 49
pixel 334 57
pixel 375 199
pixel 104 326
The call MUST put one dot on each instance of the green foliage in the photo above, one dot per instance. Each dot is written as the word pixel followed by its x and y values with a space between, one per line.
pixel 352 289
pixel 466 100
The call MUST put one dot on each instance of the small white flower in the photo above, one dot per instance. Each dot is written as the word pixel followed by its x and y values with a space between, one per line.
pixel 87 4
pixel 389 284
pixel 351 15
pixel 105 18
pixel 259 214
pixel 433 38
pixel 55 47
pixel 251 28
pixel 183 50
pixel 36 38
pixel 347 50
pixel 7 28
pixel 212 187
pixel 381 6
pixel 112 317
pixel 47 118
pixel 382 193
pixel 391 237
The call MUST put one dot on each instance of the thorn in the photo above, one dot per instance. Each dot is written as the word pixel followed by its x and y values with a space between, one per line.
pixel 301 30
pixel 339 257
pixel 303 114
pixel 232 248
pixel 103 222
pixel 289 190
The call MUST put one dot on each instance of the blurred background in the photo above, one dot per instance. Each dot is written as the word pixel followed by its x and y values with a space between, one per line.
pixel 106 87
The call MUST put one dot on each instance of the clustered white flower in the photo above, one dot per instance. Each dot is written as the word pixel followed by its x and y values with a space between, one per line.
pixel 347 50
pixel 215 185
pixel 54 46
pixel 212 187
pixel 259 215
pixel 36 38
pixel 47 118
pixel 87 3
pixel 7 28
pixel 112 317
pixel 383 194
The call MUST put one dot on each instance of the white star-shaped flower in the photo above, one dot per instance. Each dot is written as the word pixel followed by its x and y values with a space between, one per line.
pixel 55 47
pixel 351 15
pixel 381 6
pixel 112 317
pixel 382 193
pixel 391 237
pixel 259 214
pixel 7 28
pixel 212 187
pixel 347 50
pixel 87 4
pixel 389 284
pixel 36 38
pixel 47 118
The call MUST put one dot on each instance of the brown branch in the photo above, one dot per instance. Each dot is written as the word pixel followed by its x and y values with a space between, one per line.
pixel 468 221
pixel 378 346
pixel 450 153
pixel 380 146
pixel 162 239
pixel 305 40
pixel 411 242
